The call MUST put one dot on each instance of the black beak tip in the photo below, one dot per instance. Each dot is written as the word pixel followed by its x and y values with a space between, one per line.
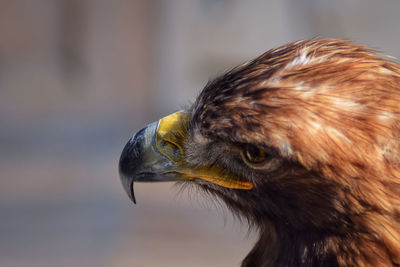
pixel 127 183
pixel 132 160
pixel 132 194
pixel 128 163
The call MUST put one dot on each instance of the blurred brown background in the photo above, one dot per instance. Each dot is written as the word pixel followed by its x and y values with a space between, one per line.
pixel 79 77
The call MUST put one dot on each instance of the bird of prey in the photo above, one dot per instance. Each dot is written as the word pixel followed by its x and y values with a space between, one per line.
pixel 303 142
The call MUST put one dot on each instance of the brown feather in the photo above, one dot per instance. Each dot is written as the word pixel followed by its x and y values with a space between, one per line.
pixel 331 110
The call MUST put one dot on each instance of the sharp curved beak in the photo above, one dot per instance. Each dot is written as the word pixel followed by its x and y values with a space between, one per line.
pixel 156 154
pixel 141 161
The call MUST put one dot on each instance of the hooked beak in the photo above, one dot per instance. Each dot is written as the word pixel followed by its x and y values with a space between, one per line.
pixel 156 154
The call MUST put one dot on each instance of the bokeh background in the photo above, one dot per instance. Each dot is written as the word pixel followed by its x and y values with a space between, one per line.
pixel 79 77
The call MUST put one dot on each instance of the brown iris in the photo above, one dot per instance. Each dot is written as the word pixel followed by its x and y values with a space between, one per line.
pixel 253 155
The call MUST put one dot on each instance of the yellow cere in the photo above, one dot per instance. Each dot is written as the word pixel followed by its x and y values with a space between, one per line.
pixel 171 134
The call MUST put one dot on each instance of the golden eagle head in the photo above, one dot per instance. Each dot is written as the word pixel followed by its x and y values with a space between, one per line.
pixel 303 141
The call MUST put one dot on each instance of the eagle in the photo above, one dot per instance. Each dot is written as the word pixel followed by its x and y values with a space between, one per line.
pixel 303 142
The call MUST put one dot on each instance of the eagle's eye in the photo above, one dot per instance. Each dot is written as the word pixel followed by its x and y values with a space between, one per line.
pixel 254 156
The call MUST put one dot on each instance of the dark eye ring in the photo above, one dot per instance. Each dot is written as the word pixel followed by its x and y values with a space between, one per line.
pixel 253 155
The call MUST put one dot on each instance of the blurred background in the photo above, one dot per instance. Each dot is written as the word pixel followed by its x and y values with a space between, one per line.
pixel 79 77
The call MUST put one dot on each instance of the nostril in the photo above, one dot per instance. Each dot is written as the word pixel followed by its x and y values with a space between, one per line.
pixel 171 150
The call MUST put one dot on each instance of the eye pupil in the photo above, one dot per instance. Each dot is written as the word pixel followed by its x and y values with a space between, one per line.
pixel 254 155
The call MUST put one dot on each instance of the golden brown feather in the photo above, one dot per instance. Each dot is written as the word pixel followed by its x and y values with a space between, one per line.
pixel 325 115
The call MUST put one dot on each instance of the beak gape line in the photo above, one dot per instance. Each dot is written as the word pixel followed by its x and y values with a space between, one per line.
pixel 156 154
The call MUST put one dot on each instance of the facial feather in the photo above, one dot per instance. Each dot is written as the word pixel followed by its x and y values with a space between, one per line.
pixel 331 109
